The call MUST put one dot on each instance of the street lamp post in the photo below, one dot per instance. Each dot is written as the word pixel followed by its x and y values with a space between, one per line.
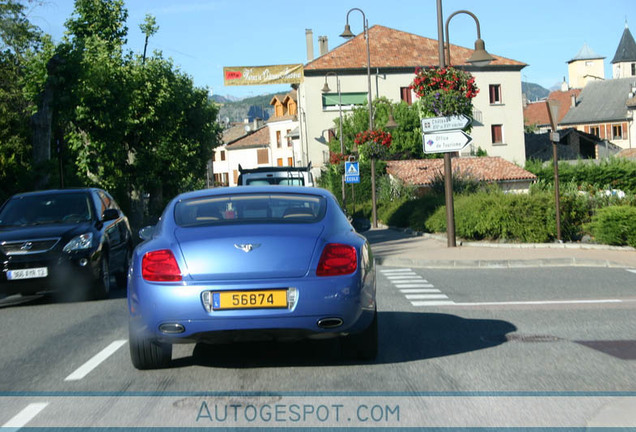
pixel 479 58
pixel 326 89
pixel 347 34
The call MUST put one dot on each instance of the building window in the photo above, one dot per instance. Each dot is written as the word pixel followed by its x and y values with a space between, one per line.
pixel 497 134
pixel 278 139
pixel 289 139
pixel 262 156
pixel 633 69
pixel 596 131
pixel 290 161
pixel 495 93
pixel 331 100
pixel 617 132
pixel 406 95
pixel 477 116
pixel 222 155
pixel 279 161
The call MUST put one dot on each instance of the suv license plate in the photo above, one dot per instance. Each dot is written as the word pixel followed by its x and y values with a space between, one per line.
pixel 32 273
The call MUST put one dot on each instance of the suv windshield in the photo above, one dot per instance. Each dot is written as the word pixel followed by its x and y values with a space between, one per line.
pixel 46 209
pixel 250 208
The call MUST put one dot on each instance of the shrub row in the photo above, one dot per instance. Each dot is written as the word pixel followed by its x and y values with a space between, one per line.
pixel 493 215
pixel 613 173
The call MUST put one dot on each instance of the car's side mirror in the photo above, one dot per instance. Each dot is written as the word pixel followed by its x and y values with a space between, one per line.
pixel 110 214
pixel 146 233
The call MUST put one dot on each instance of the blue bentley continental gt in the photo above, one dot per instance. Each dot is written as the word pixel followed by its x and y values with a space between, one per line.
pixel 251 263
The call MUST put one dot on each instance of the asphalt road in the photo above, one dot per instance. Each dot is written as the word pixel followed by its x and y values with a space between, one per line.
pixel 473 348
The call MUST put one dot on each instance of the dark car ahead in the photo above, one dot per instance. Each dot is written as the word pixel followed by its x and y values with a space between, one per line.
pixel 67 241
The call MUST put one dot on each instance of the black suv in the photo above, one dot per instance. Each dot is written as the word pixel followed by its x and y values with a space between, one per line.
pixel 68 241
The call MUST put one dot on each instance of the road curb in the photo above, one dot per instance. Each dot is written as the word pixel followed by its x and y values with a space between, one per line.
pixel 492 264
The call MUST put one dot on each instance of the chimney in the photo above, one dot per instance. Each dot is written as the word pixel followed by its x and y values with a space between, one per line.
pixel 309 35
pixel 564 85
pixel 572 100
pixel 323 45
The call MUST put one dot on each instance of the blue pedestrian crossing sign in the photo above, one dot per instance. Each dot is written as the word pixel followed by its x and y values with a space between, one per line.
pixel 352 172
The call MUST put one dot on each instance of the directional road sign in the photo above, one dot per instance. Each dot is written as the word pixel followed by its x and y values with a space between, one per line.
pixel 438 124
pixel 445 142
pixel 352 172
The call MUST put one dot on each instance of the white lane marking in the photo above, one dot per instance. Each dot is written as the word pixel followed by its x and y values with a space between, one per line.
pixel 395 270
pixel 433 303
pixel 25 416
pixel 421 289
pixel 402 277
pixel 425 296
pixel 541 302
pixel 87 367
pixel 418 291
pixel 631 270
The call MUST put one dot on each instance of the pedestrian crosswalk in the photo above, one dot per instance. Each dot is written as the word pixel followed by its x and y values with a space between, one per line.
pixel 417 290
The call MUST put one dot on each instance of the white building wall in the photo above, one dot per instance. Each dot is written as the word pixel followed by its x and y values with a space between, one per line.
pixel 508 113
pixel 315 120
pixel 246 157
pixel 285 151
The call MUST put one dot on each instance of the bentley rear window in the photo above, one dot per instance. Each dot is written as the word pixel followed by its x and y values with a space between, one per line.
pixel 250 208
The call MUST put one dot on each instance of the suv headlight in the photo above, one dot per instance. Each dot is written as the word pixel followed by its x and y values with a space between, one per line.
pixel 81 242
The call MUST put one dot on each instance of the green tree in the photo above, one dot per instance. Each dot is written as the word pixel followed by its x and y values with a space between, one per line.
pixel 407 141
pixel 20 43
pixel 134 124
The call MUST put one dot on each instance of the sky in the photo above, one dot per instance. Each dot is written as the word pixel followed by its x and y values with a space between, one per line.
pixel 203 36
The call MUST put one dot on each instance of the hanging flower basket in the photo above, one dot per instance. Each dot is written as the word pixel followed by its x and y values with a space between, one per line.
pixel 444 91
pixel 373 144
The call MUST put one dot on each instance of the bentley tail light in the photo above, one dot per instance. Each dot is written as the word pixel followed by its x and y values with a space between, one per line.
pixel 160 266
pixel 337 259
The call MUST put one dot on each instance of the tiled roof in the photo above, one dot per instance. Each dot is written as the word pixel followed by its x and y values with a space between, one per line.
pixel 422 172
pixel 233 133
pixel 393 48
pixel 586 53
pixel 257 139
pixel 285 117
pixel 601 101
pixel 537 112
pixel 627 153
pixel 626 51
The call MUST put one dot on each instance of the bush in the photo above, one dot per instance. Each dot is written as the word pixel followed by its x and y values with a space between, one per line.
pixel 413 212
pixel 613 173
pixel 615 225
pixel 495 215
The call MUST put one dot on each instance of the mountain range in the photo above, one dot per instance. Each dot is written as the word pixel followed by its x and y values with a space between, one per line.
pixel 237 110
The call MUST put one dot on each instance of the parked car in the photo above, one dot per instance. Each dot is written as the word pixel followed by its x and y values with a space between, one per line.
pixel 251 263
pixel 67 241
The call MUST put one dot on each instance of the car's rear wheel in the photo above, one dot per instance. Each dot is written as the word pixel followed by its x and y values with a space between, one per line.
pixel 364 345
pixel 146 353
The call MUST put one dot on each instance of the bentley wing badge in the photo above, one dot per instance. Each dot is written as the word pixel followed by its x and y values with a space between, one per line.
pixel 247 247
